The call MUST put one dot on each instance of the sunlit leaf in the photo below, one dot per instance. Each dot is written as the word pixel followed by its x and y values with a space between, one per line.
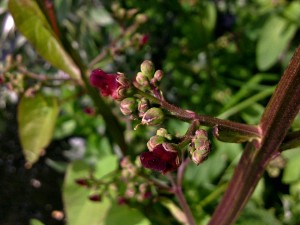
pixel 291 171
pixel 31 22
pixel 35 222
pixel 36 117
pixel 276 34
pixel 79 209
pixel 125 216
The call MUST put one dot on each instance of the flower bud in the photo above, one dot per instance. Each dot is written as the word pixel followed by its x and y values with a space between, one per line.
pixel 200 140
pixel 143 106
pixel 147 69
pixel 153 116
pixel 141 18
pixel 141 79
pixel 154 141
pixel 158 75
pixel 200 147
pixel 128 106
pixel 164 133
pixel 82 182
pixel 95 197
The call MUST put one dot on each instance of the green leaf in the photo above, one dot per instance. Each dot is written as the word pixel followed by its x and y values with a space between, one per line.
pixel 35 222
pixel 291 171
pixel 275 36
pixel 31 22
pixel 36 117
pixel 105 166
pixel 125 216
pixel 79 209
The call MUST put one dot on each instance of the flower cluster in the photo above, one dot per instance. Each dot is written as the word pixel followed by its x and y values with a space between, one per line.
pixel 141 99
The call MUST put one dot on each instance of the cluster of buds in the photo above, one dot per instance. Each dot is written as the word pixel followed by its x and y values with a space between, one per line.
pixel 148 77
pixel 130 20
pixel 120 88
pixel 162 155
pixel 200 147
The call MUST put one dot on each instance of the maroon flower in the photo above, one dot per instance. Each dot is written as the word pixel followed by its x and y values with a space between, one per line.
pixel 112 85
pixel 144 39
pixel 89 111
pixel 82 182
pixel 95 198
pixel 163 158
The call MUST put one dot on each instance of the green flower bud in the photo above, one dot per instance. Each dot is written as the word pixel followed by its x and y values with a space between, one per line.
pixel 128 106
pixel 123 80
pixel 200 147
pixel 198 156
pixel 200 140
pixel 141 79
pixel 141 18
pixel 153 116
pixel 143 106
pixel 147 69
pixel 158 75
pixel 164 133
pixel 154 141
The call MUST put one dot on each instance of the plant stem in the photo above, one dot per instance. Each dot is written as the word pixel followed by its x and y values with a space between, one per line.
pixel 249 131
pixel 182 201
pixel 276 120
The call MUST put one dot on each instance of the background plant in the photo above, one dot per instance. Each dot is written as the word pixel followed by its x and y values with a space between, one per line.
pixel 218 58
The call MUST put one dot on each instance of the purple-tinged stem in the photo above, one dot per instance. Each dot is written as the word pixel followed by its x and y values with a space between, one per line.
pixel 276 120
pixel 248 132
pixel 182 201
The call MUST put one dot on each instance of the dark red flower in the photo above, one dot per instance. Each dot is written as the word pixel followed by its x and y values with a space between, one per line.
pixel 82 182
pixel 89 111
pixel 95 198
pixel 144 39
pixel 162 158
pixel 109 84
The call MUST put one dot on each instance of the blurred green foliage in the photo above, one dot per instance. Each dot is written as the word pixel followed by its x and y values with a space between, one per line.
pixel 220 58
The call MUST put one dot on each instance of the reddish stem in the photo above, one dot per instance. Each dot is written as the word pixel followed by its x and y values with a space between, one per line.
pixel 276 120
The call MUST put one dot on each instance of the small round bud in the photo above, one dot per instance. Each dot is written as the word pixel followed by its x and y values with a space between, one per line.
pixel 143 106
pixel 82 182
pixel 153 116
pixel 120 13
pixel 198 156
pixel 141 18
pixel 128 106
pixel 158 75
pixel 200 147
pixel 154 141
pixel 141 79
pixel 147 69
pixel 123 80
pixel 200 140
pixel 164 133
